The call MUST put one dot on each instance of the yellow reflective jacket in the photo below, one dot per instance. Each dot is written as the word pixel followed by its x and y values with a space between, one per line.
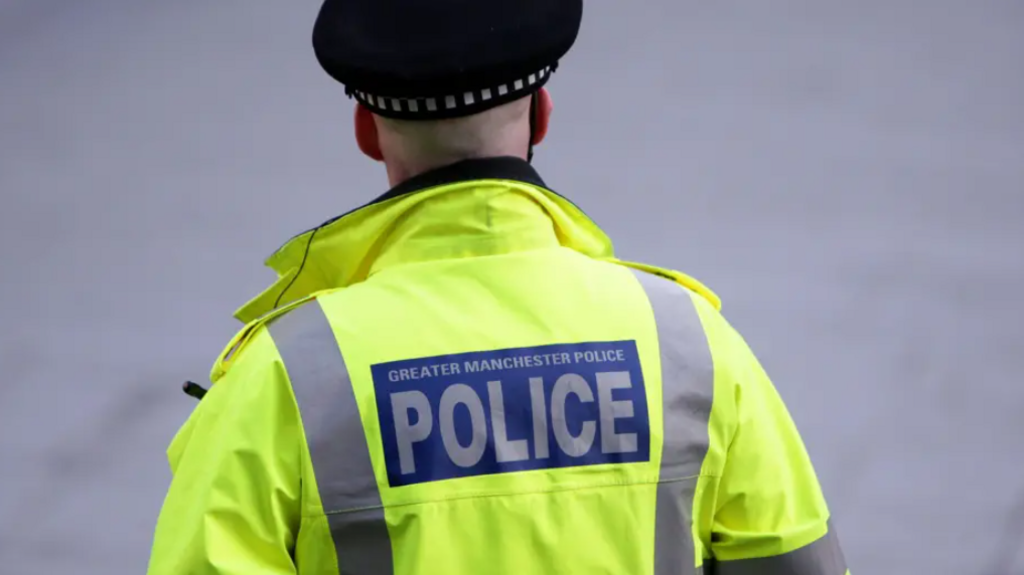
pixel 460 378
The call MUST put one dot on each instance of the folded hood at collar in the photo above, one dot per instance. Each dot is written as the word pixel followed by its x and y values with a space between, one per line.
pixel 349 248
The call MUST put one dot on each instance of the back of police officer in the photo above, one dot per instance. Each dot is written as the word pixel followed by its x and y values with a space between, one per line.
pixel 460 378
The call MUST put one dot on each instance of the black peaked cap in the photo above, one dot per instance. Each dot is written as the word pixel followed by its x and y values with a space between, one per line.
pixel 432 59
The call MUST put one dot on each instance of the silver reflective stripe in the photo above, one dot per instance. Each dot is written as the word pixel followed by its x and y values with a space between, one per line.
pixel 687 383
pixel 337 442
pixel 823 557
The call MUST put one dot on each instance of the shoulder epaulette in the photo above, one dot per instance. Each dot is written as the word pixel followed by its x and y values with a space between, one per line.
pixel 676 276
pixel 238 343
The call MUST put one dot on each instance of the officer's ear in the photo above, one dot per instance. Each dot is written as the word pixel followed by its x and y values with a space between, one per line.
pixel 366 133
pixel 542 115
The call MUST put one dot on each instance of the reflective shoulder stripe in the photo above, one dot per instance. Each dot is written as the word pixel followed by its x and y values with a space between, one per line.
pixel 337 442
pixel 823 557
pixel 687 383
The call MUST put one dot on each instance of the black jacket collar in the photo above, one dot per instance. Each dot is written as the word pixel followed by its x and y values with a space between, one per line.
pixel 502 168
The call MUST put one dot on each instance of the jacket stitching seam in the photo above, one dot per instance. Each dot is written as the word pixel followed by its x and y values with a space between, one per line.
pixel 531 492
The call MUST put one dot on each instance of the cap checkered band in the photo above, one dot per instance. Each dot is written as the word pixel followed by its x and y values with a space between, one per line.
pixel 455 105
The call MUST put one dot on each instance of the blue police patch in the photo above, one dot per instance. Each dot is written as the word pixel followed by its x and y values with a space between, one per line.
pixel 512 410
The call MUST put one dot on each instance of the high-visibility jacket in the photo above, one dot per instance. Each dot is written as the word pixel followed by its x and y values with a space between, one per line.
pixel 460 378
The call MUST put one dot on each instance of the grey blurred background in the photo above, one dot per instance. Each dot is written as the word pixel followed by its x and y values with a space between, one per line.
pixel 849 176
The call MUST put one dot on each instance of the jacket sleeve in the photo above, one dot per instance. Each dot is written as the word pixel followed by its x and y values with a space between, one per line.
pixel 770 515
pixel 233 507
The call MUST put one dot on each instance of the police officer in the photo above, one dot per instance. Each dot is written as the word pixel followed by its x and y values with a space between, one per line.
pixel 460 377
